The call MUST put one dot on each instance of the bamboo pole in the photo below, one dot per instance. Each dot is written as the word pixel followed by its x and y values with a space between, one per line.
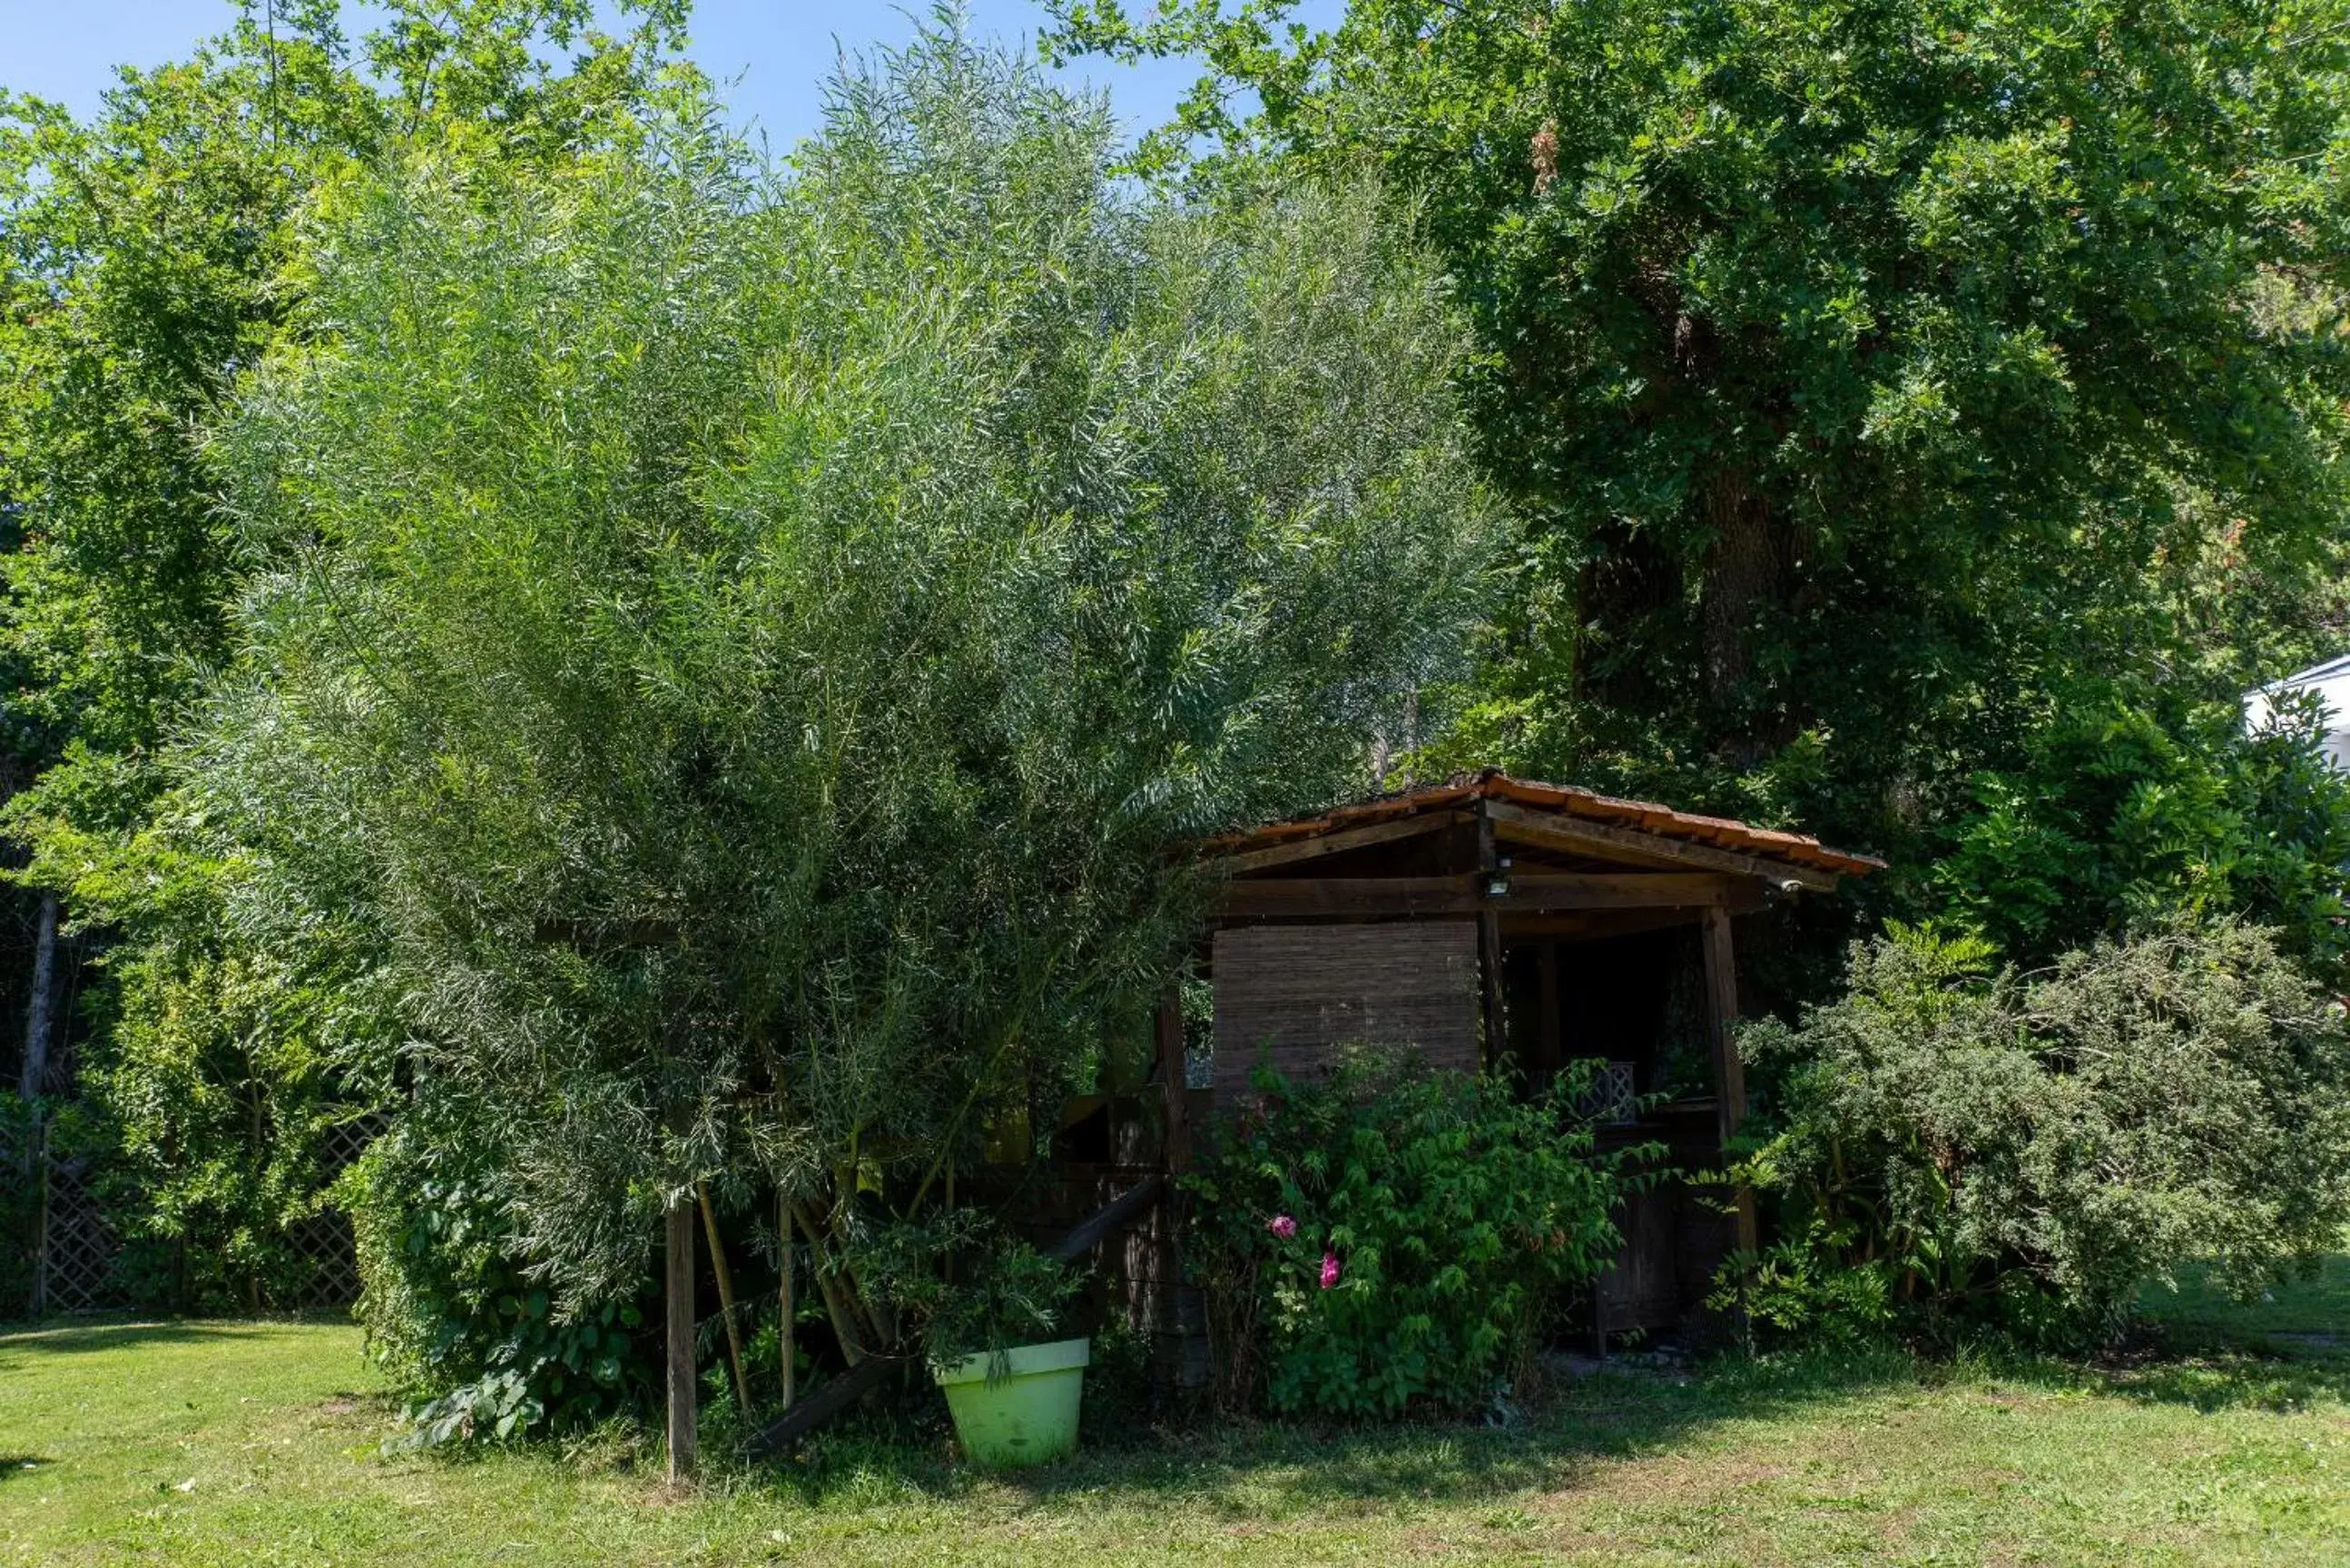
pixel 677 1243
pixel 725 1297
pixel 846 1325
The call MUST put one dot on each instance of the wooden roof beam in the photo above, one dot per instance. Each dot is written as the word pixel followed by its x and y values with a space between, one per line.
pixel 1552 830
pixel 1342 897
pixel 1319 845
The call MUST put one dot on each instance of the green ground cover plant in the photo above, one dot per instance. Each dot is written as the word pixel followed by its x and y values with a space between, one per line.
pixel 192 1444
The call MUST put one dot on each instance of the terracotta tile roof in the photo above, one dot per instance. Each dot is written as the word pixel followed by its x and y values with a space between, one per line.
pixel 1641 817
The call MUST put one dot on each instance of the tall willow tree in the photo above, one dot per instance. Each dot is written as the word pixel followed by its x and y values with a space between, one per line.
pixel 751 649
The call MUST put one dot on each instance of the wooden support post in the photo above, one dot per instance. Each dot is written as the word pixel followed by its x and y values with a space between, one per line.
pixel 1489 965
pixel 677 1248
pixel 1168 1028
pixel 725 1298
pixel 1172 1346
pixel 786 1305
pixel 1729 1074
pixel 1553 1044
pixel 1488 940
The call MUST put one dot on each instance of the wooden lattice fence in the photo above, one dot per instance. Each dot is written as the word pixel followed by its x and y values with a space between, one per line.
pixel 76 1257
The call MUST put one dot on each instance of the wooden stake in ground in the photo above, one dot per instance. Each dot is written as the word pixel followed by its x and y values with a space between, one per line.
pixel 677 1243
pixel 725 1298
pixel 789 1308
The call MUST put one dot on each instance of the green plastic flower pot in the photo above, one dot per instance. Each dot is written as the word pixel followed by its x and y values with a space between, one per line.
pixel 1026 1413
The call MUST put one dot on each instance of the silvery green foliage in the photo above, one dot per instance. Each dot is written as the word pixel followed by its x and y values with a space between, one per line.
pixel 2031 1149
pixel 749 645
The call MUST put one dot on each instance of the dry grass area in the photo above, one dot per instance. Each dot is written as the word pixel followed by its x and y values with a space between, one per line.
pixel 261 1444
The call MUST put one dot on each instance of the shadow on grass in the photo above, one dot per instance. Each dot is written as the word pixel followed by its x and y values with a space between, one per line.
pixel 21 1344
pixel 2285 1349
pixel 1248 1468
pixel 14 1467
pixel 2207 1353
pixel 2239 1380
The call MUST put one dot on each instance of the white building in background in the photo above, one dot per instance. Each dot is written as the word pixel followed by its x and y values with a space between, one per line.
pixel 2331 682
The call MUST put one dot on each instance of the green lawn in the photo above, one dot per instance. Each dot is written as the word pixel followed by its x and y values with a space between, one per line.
pixel 235 1443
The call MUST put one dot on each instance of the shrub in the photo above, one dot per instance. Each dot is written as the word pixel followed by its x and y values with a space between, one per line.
pixel 957 1283
pixel 1959 1151
pixel 1394 1236
pixel 453 1315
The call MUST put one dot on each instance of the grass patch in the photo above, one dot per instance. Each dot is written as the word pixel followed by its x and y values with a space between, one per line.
pixel 259 1444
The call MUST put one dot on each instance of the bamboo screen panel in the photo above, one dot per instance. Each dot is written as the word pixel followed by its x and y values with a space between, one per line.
pixel 1293 992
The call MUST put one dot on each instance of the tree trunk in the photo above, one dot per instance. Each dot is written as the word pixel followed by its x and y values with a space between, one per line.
pixel 678 1244
pixel 257 1142
pixel 36 1139
pixel 31 1080
pixel 1741 576
pixel 847 1327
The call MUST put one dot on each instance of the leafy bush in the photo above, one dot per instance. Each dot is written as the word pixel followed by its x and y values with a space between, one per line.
pixel 956 1285
pixel 1015 1296
pixel 1394 1236
pixel 2125 807
pixel 453 1316
pixel 1958 1150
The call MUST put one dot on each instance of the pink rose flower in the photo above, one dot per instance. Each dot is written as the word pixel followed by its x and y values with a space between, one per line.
pixel 1283 1226
pixel 1329 1269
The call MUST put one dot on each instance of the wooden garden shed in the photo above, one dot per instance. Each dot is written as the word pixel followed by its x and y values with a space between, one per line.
pixel 1487 918
pixel 1495 916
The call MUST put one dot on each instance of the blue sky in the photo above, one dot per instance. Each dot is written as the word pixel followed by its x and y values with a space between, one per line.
pixel 771 53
